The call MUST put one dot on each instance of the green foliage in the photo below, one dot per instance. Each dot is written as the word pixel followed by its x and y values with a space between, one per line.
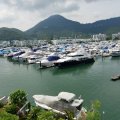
pixel 93 113
pixel 109 38
pixel 69 115
pixel 34 113
pixel 1 105
pixel 6 116
pixel 12 108
pixel 46 115
pixel 18 98
pixel 61 119
pixel 38 114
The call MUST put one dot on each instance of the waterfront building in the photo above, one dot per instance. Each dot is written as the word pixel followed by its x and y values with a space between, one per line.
pixel 5 43
pixel 116 36
pixel 99 37
pixel 68 41
pixel 23 43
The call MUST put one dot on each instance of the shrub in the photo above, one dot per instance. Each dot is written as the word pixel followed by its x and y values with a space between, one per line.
pixel 94 112
pixel 13 109
pixel 34 113
pixel 46 115
pixel 18 98
pixel 1 105
pixel 6 116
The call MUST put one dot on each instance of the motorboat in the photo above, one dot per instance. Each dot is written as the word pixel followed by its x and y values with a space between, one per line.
pixel 74 58
pixel 4 100
pixel 32 59
pixel 49 61
pixel 59 104
pixel 115 53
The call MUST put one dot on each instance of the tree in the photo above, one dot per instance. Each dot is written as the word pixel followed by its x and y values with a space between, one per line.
pixel 12 108
pixel 18 98
pixel 93 113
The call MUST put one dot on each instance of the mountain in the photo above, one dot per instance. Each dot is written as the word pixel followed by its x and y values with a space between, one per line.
pixel 12 34
pixel 57 25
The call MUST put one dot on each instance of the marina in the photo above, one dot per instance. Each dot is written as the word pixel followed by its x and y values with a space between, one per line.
pixel 92 81
pixel 60 60
pixel 81 68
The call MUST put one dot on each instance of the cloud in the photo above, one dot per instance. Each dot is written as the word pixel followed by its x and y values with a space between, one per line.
pixel 89 1
pixel 31 11
pixel 24 14
pixel 33 5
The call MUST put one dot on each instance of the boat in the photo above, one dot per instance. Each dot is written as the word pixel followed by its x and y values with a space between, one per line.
pixel 105 54
pixel 32 59
pixel 78 57
pixel 24 56
pixel 59 104
pixel 115 53
pixel 49 61
pixel 4 100
pixel 115 78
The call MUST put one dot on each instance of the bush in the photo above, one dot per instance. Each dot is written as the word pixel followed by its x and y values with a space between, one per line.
pixel 13 109
pixel 46 115
pixel 1 105
pixel 6 116
pixel 94 112
pixel 18 98
pixel 34 113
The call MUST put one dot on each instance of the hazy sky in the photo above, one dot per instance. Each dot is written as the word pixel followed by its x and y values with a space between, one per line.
pixel 23 14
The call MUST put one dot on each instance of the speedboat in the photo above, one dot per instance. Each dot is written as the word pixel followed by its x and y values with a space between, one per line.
pixel 59 104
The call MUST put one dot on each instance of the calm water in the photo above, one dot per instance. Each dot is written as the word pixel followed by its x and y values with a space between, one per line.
pixel 91 81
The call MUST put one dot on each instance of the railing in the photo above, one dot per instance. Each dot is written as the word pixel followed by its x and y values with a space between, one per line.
pixel 25 109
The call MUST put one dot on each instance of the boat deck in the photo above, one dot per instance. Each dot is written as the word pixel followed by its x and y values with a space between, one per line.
pixel 63 106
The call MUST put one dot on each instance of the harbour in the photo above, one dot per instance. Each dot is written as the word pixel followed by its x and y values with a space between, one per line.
pixel 60 60
pixel 92 81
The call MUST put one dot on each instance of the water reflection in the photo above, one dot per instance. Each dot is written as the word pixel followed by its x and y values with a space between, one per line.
pixel 73 69
pixel 115 58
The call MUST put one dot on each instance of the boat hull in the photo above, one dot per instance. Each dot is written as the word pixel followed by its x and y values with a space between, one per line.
pixel 74 62
pixel 115 54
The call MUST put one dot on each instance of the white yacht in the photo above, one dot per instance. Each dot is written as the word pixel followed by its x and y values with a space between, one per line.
pixel 115 53
pixel 32 59
pixel 78 57
pixel 64 101
pixel 49 61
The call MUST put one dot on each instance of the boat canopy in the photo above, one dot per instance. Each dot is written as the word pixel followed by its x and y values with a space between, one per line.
pixel 45 99
pixel 66 96
pixel 52 58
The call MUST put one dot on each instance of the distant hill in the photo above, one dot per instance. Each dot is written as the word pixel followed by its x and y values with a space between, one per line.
pixel 12 34
pixel 55 25
pixel 59 26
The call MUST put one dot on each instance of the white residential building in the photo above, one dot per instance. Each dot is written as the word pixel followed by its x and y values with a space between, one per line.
pixel 116 36
pixel 66 41
pixel 99 37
